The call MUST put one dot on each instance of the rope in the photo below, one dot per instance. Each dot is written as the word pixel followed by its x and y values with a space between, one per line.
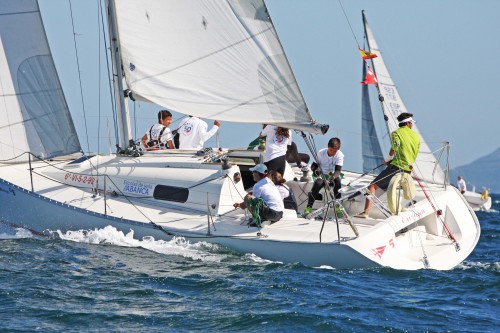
pixel 450 235
pixel 15 157
pixel 255 205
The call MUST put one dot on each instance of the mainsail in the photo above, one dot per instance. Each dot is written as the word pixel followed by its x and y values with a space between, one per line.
pixel 34 114
pixel 217 59
pixel 426 164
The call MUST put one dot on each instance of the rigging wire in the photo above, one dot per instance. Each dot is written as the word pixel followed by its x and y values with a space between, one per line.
pixel 79 76
pixel 111 90
pixel 99 80
pixel 98 93
pixel 349 23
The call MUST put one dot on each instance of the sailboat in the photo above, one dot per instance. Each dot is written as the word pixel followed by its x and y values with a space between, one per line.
pixel 228 65
pixel 393 105
pixel 478 201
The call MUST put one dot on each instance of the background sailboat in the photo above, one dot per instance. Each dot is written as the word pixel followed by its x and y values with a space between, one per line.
pixel 35 115
pixel 392 105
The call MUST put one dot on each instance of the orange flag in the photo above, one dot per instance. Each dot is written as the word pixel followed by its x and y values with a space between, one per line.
pixel 366 55
pixel 370 77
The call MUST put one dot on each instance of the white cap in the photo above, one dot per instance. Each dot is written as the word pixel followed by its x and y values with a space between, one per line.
pixel 407 120
pixel 260 168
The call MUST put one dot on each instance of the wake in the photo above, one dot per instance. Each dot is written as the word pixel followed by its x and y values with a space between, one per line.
pixel 201 251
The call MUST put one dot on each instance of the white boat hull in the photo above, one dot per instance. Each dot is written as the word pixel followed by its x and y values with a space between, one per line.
pixel 476 201
pixel 414 239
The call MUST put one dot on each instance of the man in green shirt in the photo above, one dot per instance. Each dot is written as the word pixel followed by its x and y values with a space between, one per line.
pixel 404 151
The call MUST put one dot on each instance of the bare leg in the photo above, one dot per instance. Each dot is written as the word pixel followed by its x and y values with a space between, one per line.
pixel 372 188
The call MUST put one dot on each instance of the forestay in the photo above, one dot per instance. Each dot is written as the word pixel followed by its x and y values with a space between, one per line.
pixel 217 59
pixel 426 164
pixel 34 114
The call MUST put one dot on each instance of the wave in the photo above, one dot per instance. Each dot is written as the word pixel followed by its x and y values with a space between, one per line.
pixel 7 232
pixel 201 251
pixel 485 266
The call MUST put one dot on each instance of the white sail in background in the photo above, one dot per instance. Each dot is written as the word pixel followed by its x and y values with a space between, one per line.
pixel 34 114
pixel 217 59
pixel 426 163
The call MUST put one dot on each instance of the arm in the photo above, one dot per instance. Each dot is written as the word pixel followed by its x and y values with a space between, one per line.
pixel 145 140
pixel 253 144
pixel 208 134
pixel 338 170
pixel 243 204
pixel 389 157
pixel 170 144
pixel 264 132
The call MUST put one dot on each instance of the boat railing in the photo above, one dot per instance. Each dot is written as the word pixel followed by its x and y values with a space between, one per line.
pixel 445 149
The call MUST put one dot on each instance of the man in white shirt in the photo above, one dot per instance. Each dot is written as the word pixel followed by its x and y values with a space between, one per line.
pixel 193 133
pixel 330 160
pixel 273 207
pixel 159 135
pixel 462 187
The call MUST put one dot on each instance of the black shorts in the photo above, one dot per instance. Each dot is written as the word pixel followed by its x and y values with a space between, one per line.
pixel 277 164
pixel 268 214
pixel 384 178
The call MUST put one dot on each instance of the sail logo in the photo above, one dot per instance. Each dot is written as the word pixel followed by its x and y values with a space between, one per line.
pixel 136 187
pixel 379 251
pixel 187 129
pixel 132 67
pixel 279 139
pixel 391 243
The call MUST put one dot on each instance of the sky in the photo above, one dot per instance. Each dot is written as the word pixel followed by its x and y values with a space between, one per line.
pixel 442 56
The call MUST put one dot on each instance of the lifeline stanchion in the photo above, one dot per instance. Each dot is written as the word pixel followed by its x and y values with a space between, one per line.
pixel 31 173
pixel 105 190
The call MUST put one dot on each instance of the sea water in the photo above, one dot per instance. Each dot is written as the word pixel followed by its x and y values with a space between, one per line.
pixel 105 280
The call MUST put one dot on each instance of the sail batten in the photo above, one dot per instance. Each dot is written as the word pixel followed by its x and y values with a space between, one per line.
pixel 209 58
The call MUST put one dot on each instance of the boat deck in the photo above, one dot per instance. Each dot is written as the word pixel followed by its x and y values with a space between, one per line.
pixel 171 217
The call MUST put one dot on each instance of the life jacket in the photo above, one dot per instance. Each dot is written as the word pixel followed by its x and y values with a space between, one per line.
pixel 157 142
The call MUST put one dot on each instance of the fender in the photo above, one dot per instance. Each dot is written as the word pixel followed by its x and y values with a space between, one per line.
pixel 400 181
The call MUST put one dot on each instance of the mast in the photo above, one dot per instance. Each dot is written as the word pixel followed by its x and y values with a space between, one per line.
pixel 124 127
pixel 380 97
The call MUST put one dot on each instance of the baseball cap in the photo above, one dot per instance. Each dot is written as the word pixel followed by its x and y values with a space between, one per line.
pixel 260 168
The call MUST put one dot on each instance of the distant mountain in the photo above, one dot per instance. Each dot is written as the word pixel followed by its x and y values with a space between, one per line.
pixel 483 172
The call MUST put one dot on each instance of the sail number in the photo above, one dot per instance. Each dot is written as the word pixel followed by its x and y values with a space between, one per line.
pixel 74 177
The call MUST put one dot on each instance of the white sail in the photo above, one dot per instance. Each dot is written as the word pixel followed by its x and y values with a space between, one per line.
pixel 426 164
pixel 217 59
pixel 34 114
